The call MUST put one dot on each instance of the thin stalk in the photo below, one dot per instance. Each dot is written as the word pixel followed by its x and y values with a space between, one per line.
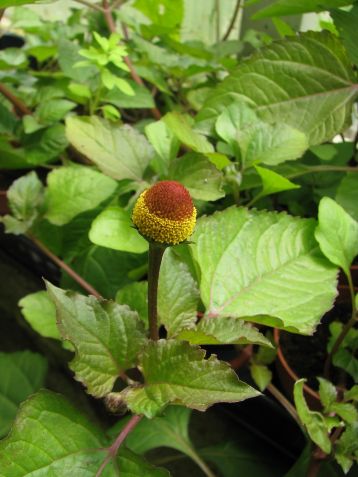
pixel 254 200
pixel 284 402
pixel 233 20
pixel 81 281
pixel 113 449
pixel 345 329
pixel 155 258
pixel 19 106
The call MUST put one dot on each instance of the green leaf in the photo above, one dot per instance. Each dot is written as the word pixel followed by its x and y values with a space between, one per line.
pixel 40 312
pixel 224 330
pixel 100 267
pixel 261 375
pixel 347 194
pixel 54 110
pixel 279 279
pixel 346 23
pixel 68 56
pixel 141 99
pixel 166 13
pixel 120 152
pixel 286 7
pixel 271 144
pixel 352 394
pixel 110 112
pixel 272 183
pixel 233 119
pixel 327 393
pixel 166 145
pixel 107 337
pixel 169 430
pixel 25 198
pixel 75 189
pixel 346 411
pixel 337 234
pixel 178 295
pixel 283 81
pixel 177 372
pixel 347 447
pixel 46 145
pixel 80 90
pixel 113 228
pixel 182 129
pixel 135 296
pixel 198 175
pixel 52 437
pixel 21 374
pixel 313 421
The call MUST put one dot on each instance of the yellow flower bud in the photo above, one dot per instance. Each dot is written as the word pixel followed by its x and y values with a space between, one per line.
pixel 165 213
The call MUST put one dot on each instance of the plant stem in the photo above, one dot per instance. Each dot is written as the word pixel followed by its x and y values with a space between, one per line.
pixel 113 449
pixel 107 12
pixel 345 329
pixel 233 20
pixel 81 281
pixel 155 258
pixel 284 402
pixel 254 200
pixel 19 106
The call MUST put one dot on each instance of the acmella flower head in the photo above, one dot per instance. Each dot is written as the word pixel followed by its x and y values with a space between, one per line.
pixel 165 213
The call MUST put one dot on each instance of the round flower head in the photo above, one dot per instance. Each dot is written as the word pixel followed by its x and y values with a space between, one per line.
pixel 165 213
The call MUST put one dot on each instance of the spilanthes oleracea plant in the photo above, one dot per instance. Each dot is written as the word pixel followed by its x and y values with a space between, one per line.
pixel 165 213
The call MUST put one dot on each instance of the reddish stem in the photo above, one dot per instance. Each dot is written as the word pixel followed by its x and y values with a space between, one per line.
pixel 113 449
pixel 19 106
pixel 81 281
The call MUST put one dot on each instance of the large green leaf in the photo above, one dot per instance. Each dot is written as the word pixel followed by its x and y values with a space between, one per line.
pixel 337 234
pixel 224 330
pixel 113 228
pixel 198 175
pixel 285 80
pixel 25 197
pixel 347 194
pixel 51 437
pixel 256 263
pixel 346 23
pixel 165 143
pixel 175 372
pixel 181 128
pixel 120 152
pixel 107 337
pixel 178 295
pixel 21 374
pixel 75 189
pixel 314 421
pixel 40 312
pixel 286 7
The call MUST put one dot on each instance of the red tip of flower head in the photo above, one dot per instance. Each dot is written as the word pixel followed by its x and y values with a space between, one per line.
pixel 170 200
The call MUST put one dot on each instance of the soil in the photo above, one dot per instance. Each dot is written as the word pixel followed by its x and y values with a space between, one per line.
pixel 306 354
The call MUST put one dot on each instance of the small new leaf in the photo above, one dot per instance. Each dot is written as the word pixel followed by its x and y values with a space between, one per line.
pixel 337 234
